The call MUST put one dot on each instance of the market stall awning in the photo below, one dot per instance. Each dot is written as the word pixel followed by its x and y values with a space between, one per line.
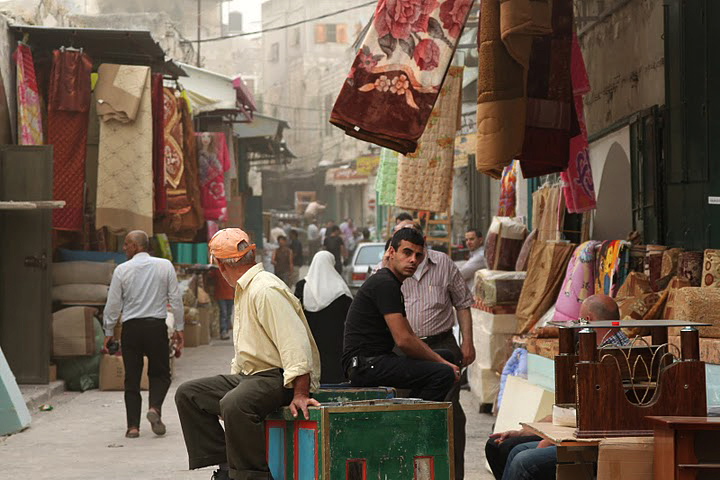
pixel 128 47
pixel 262 139
pixel 341 177
pixel 212 92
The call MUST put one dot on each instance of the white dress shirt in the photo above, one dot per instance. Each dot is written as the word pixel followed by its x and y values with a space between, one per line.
pixel 475 262
pixel 142 288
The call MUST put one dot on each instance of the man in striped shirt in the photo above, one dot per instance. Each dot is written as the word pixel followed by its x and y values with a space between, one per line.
pixel 433 296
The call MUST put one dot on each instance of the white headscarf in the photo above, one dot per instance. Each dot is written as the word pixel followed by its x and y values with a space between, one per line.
pixel 323 284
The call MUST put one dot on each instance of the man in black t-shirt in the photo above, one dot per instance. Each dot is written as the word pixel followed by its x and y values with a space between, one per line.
pixel 376 323
pixel 334 244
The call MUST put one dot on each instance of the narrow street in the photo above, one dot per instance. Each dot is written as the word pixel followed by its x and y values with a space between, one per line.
pixel 83 436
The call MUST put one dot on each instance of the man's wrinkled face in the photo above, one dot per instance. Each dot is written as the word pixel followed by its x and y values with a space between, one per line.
pixel 130 248
pixel 405 260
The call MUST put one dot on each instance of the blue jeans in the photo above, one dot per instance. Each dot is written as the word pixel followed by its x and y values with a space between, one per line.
pixel 527 462
pixel 226 311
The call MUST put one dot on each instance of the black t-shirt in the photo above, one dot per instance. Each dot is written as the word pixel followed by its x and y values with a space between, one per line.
pixel 333 245
pixel 366 332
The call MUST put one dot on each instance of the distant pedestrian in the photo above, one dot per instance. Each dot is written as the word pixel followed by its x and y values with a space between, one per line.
pixel 474 242
pixel 297 255
pixel 313 234
pixel 403 217
pixel 313 211
pixel 325 231
pixel 282 260
pixel 335 245
pixel 276 232
pixel 140 291
pixel 365 236
pixel 225 296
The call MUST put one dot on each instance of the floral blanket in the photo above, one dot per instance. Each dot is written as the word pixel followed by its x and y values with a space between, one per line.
pixel 396 77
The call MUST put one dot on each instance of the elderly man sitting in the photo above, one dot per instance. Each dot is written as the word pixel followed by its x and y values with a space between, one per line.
pixel 517 454
pixel 276 363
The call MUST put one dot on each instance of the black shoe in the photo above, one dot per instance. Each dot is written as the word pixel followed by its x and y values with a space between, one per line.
pixel 158 427
pixel 220 475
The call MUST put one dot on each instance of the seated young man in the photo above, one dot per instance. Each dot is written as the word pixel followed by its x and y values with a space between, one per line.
pixel 376 323
pixel 518 454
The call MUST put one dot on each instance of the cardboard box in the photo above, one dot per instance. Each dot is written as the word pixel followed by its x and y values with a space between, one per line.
pixel 112 373
pixel 576 471
pixel 484 383
pixel 205 314
pixel 494 323
pixel 522 402
pixel 628 458
pixel 192 334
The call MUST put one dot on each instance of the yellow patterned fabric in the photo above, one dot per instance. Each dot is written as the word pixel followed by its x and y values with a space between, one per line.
pixel 424 179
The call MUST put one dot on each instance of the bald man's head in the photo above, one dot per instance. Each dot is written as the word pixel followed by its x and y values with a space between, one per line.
pixel 135 242
pixel 599 307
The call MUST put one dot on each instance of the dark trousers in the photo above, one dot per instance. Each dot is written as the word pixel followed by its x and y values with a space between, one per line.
pixel 447 342
pixel 243 401
pixel 426 380
pixel 226 314
pixel 145 337
pixel 497 453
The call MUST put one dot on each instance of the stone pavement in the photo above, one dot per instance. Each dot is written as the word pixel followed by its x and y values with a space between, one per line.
pixel 83 436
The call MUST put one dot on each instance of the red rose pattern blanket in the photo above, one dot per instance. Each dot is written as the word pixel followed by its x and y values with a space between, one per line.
pixel 397 74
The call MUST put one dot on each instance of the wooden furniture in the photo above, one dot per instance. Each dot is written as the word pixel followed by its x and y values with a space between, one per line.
pixel 686 447
pixel 628 384
pixel 359 440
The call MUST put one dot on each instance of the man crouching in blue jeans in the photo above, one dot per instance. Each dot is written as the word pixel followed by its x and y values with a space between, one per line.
pixel 276 364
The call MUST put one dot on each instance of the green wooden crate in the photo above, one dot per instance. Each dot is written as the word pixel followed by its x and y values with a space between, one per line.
pixel 397 439
pixel 343 394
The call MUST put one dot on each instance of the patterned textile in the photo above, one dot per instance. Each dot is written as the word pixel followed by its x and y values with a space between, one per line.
pixel 30 130
pixel 612 262
pixel 690 265
pixel 577 180
pixel 185 214
pixel 551 120
pixel 653 264
pixel 548 212
pixel 173 138
pixel 68 106
pixel 670 261
pixel 125 183
pixel 579 283
pixel 386 180
pixel 711 269
pixel 548 262
pixel 213 162
pixel 395 79
pixel 505 40
pixel 506 205
pixel 158 114
pixel 424 178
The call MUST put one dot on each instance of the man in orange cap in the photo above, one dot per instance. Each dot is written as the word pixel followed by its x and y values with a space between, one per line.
pixel 276 363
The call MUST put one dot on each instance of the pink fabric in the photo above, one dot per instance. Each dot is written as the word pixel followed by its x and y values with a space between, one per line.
pixel 30 130
pixel 214 161
pixel 578 187
pixel 579 283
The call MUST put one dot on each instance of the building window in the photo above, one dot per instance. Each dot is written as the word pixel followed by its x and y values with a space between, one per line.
pixel 331 33
pixel 275 52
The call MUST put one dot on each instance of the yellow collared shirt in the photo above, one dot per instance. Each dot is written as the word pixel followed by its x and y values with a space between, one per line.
pixel 270 330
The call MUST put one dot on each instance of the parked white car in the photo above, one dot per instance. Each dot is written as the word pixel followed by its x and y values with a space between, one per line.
pixel 366 256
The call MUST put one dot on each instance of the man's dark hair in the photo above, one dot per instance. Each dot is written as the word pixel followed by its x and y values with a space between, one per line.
pixel 294 233
pixel 366 234
pixel 408 234
pixel 334 229
pixel 476 231
pixel 402 217
pixel 281 237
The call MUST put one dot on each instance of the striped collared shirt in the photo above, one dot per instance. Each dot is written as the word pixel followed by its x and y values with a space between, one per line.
pixel 431 294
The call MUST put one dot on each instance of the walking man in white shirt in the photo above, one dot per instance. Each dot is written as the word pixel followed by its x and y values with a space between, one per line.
pixel 140 290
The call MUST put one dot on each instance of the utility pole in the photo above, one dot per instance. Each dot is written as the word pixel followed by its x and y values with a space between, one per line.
pixel 197 63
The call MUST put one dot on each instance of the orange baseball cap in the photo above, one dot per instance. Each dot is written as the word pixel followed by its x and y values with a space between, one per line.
pixel 224 244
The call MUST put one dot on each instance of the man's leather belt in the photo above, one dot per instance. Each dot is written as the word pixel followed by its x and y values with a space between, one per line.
pixel 439 336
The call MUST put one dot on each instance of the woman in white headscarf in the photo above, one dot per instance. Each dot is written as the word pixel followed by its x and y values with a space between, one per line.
pixel 326 298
